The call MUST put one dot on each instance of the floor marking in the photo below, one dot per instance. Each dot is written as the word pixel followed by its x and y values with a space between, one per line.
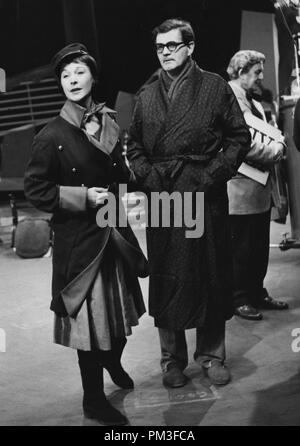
pixel 182 399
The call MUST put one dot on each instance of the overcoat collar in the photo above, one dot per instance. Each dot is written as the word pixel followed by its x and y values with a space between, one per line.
pixel 172 116
pixel 75 114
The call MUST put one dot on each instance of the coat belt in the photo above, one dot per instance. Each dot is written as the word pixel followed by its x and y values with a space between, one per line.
pixel 181 159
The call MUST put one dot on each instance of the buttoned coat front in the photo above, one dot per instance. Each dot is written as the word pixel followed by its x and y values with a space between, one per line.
pixel 195 143
pixel 62 155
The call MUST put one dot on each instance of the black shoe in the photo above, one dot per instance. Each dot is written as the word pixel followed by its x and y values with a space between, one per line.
pixel 95 404
pixel 248 312
pixel 120 377
pixel 217 372
pixel 105 413
pixel 174 377
pixel 268 303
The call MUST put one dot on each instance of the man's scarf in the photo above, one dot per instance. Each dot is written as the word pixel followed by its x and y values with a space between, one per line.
pixel 164 119
pixel 173 86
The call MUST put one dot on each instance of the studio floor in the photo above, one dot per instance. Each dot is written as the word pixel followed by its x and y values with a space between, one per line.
pixel 40 382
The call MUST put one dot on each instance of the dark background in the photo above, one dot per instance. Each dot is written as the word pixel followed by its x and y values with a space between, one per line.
pixel 31 31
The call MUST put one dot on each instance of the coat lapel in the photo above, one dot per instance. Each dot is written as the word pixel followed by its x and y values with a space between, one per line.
pixel 181 105
pixel 156 114
pixel 109 133
pixel 76 115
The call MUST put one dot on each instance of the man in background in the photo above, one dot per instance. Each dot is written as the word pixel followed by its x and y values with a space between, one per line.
pixel 250 201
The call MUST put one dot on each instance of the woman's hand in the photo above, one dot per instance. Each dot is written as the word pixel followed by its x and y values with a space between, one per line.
pixel 96 196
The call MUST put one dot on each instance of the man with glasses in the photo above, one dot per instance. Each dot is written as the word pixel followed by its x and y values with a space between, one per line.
pixel 188 135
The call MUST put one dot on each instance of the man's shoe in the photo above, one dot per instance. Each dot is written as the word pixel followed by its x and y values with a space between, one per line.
pixel 217 372
pixel 174 377
pixel 248 312
pixel 268 303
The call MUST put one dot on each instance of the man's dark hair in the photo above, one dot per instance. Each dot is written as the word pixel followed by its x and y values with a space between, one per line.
pixel 185 28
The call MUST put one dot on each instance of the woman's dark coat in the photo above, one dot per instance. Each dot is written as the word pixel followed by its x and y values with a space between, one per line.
pixel 62 155
pixel 194 143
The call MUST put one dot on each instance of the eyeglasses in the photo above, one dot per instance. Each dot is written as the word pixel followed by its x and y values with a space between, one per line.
pixel 171 46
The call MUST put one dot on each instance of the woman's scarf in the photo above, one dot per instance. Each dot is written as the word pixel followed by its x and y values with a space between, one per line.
pixel 100 128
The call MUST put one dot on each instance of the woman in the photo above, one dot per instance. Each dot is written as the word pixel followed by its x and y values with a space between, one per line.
pixel 76 163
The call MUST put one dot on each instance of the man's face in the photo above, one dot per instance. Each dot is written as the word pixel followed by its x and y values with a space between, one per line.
pixel 172 61
pixel 254 76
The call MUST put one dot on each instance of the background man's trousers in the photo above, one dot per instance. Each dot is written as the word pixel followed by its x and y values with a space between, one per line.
pixel 250 236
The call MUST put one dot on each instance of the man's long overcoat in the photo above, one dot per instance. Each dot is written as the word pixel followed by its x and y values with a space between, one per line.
pixel 194 143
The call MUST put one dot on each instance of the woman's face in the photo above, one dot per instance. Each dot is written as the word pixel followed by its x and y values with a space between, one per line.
pixel 77 81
